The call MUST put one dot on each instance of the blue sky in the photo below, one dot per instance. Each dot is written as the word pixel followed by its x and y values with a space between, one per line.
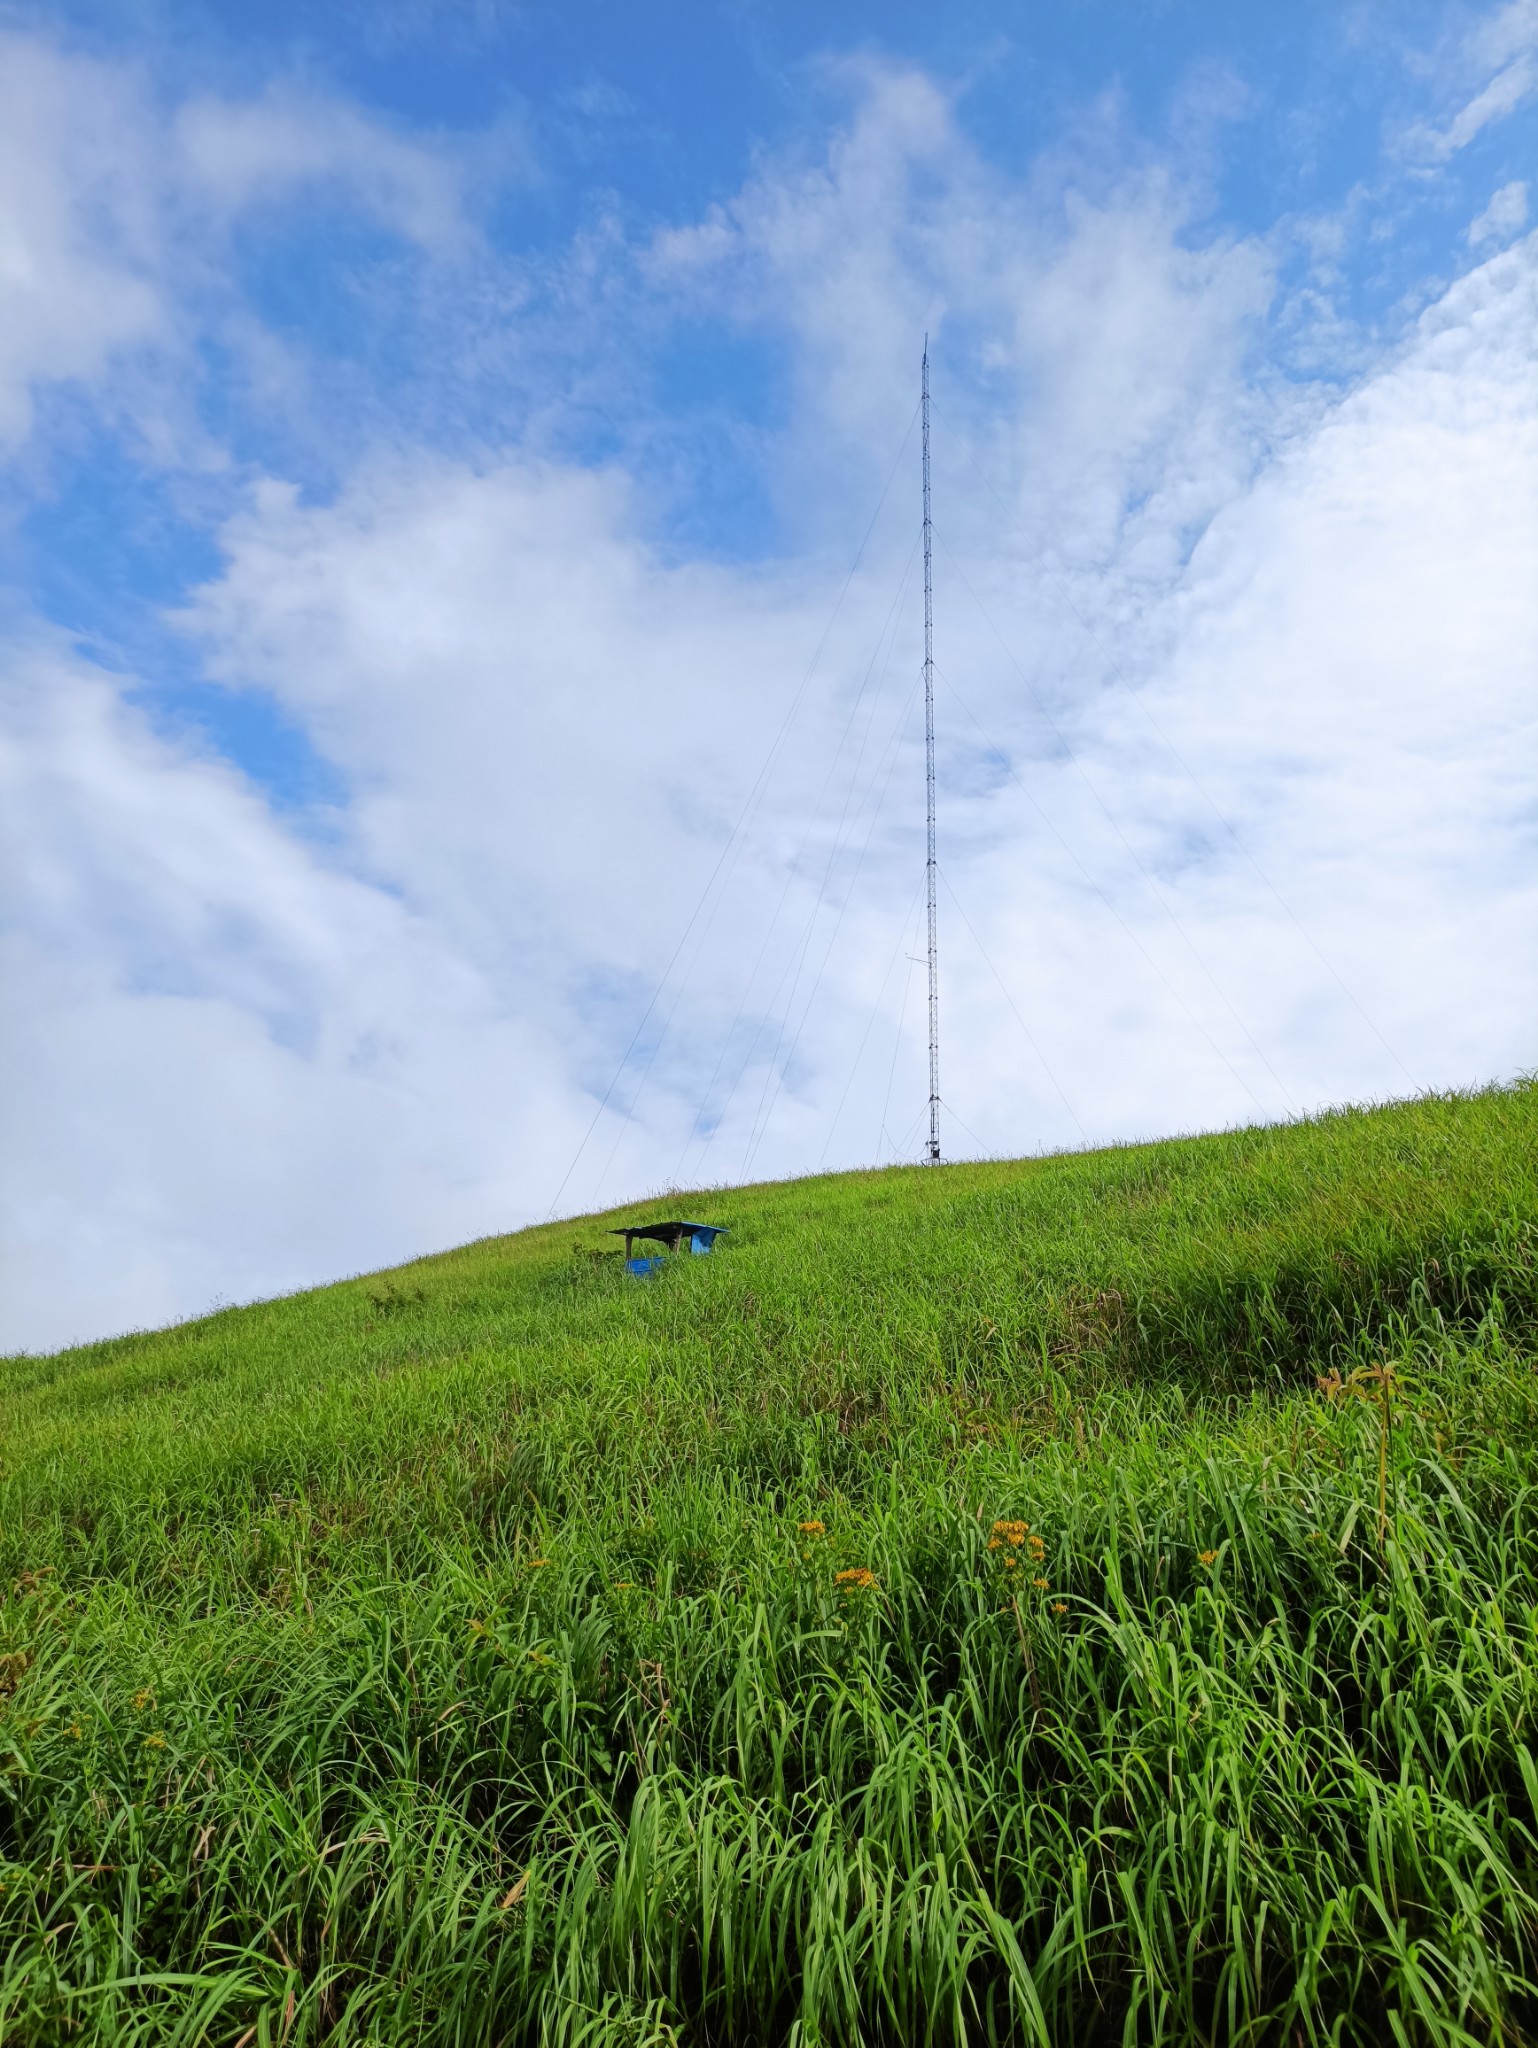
pixel 436 441
pixel 568 126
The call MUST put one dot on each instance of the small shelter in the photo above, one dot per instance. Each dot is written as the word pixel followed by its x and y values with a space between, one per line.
pixel 698 1236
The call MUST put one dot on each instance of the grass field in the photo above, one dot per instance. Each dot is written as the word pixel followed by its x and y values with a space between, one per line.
pixel 953 1611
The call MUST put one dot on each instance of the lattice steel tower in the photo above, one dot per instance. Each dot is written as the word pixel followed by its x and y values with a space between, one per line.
pixel 929 787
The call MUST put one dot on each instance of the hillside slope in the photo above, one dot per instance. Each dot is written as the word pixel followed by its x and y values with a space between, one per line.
pixel 954 1609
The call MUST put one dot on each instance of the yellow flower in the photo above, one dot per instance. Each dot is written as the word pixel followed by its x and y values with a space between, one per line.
pixel 859 1579
pixel 537 1564
pixel 811 1528
pixel 156 1741
pixel 1008 1535
pixel 1040 1585
pixel 1060 1607
pixel 1010 1563
pixel 74 1731
pixel 1207 1557
pixel 142 1699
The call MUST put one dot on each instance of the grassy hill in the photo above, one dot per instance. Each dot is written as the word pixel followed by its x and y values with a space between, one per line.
pixel 955 1610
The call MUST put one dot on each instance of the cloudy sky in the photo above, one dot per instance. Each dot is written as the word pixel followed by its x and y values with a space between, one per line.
pixel 460 611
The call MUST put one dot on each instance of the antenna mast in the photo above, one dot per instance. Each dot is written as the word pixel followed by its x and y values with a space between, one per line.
pixel 929 788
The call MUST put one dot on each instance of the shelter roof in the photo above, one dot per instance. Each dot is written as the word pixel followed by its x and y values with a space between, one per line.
pixel 666 1233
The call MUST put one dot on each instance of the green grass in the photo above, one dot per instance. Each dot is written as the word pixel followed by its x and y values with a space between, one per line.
pixel 437 1657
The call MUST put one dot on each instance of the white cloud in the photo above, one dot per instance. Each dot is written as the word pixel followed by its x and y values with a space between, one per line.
pixel 1112 348
pixel 1506 33
pixel 1502 51
pixel 80 247
pixel 1511 85
pixel 1506 215
pixel 242 1066
pixel 473 647
pixel 114 211
pixel 242 154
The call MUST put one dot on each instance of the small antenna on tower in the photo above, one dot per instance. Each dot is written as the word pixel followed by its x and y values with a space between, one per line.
pixel 929 786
